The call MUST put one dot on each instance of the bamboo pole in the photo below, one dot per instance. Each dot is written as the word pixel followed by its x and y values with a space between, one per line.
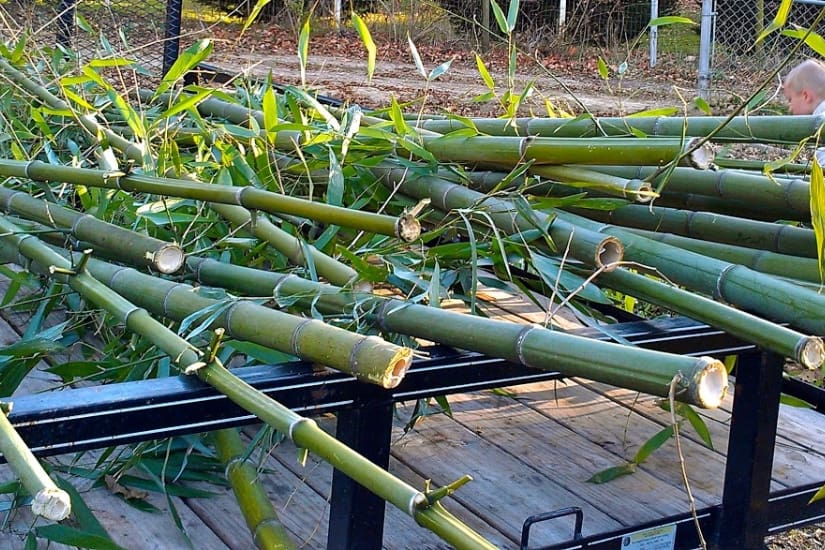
pixel 788 193
pixel 625 366
pixel 765 129
pixel 258 512
pixel 368 358
pixel 583 245
pixel 508 151
pixel 781 265
pixel 140 249
pixel 49 501
pixel 405 227
pixel 739 209
pixel 590 180
pixel 735 284
pixel 303 431
pixel 773 237
pixel 807 350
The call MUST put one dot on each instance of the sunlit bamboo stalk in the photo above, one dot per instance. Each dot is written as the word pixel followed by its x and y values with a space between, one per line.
pixel 304 431
pixel 258 512
pixel 625 366
pixel 49 501
pixel 405 227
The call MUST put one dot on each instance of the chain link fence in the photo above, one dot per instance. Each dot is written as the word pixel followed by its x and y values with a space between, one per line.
pixel 146 31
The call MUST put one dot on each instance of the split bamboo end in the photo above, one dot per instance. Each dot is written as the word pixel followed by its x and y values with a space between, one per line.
pixel 408 228
pixel 609 254
pixel 168 258
pixel 52 503
pixel 702 157
pixel 643 193
pixel 709 384
pixel 811 352
pixel 399 365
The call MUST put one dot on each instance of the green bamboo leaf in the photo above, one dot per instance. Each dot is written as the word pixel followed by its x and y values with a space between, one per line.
pixel 779 20
pixel 818 214
pixel 310 101
pixel 444 404
pixel 730 362
pixel 485 97
pixel 551 272
pixel 83 24
pixel 434 291
pixel 501 19
pixel 84 517
pixel 259 5
pixel 792 401
pixel 652 444
pixel 335 181
pixel 812 40
pixel 31 542
pixel 603 71
pixel 820 494
pixel 662 111
pixel 75 98
pixel 485 74
pixel 609 474
pixel 112 62
pixel 468 122
pixel 303 51
pixel 269 105
pixel 512 14
pixel 702 105
pixel 128 113
pixel 186 102
pixel 366 270
pixel 440 70
pixel 185 62
pixel 369 44
pixel 64 534
pixel 671 20
pixel 461 133
pixel 696 421
pixel 419 65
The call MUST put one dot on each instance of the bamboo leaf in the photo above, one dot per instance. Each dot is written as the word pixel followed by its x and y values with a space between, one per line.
pixel 64 534
pixel 434 292
pixel 440 70
pixel 652 444
pixel 187 102
pixel 792 401
pixel 671 20
pixel 129 114
pixel 662 111
pixel 702 105
pixel 609 474
pixel 779 20
pixel 303 51
pixel 185 62
pixel 818 214
pixel 485 74
pixel 512 14
pixel 335 181
pixel 369 44
pixel 812 40
pixel 688 413
pixel 501 19
pixel 820 494
pixel 603 71
pixel 253 15
pixel 86 520
pixel 419 65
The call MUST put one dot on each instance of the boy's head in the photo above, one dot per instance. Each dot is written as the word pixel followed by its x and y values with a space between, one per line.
pixel 804 87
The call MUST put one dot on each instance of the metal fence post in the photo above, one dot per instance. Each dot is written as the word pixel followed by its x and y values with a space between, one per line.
pixel 705 45
pixel 171 39
pixel 654 32
pixel 65 22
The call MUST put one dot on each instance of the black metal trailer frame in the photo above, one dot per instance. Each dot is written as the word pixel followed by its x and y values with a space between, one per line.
pixel 58 422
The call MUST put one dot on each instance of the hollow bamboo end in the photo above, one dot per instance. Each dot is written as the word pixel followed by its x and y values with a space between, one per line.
pixel 168 258
pixel 702 157
pixel 408 228
pixel 643 192
pixel 399 365
pixel 709 384
pixel 811 352
pixel 52 503
pixel 610 253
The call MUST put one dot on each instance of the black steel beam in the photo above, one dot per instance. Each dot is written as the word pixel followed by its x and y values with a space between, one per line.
pixel 94 417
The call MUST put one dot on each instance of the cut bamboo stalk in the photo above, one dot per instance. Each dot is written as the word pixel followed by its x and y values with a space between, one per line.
pixel 584 179
pixel 140 249
pixel 625 366
pixel 780 238
pixel 304 431
pixel 512 151
pixel 734 185
pixel 739 209
pixel 368 358
pixel 325 266
pixel 781 265
pixel 267 530
pixel 735 284
pixel 764 129
pixel 405 227
pixel 807 350
pixel 445 195
pixel 49 501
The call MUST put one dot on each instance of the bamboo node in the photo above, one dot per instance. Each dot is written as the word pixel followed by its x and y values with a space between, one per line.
pixel 52 503
pixel 295 424
pixel 193 368
pixel 417 502
pixel 294 340
pixel 520 337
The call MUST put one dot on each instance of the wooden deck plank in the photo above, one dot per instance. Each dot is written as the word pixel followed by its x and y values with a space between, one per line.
pixel 504 491
pixel 567 457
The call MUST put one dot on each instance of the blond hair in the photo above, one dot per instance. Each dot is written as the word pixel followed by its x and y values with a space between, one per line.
pixel 810 75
